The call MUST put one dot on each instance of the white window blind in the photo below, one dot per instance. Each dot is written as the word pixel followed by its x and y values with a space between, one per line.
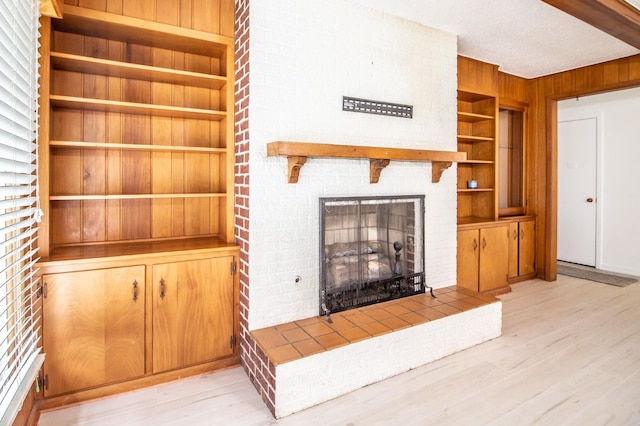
pixel 20 356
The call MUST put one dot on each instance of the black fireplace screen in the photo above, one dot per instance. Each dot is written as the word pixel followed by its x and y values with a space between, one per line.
pixel 371 250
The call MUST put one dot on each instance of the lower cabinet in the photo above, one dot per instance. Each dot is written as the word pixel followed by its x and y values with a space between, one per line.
pixel 192 312
pixel 483 255
pixel 93 328
pixel 110 325
pixel 522 249
pixel 491 255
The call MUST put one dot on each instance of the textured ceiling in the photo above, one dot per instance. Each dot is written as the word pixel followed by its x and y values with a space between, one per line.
pixel 528 38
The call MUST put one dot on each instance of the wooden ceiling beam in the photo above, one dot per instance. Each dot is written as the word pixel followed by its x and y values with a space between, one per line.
pixel 615 17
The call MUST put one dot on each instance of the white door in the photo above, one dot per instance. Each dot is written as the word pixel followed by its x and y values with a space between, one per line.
pixel 577 145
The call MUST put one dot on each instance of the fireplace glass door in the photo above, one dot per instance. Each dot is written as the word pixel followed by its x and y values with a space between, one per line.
pixel 371 250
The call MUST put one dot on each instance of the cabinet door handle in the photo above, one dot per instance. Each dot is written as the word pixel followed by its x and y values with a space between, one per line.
pixel 162 288
pixel 475 244
pixel 522 234
pixel 135 290
pixel 484 243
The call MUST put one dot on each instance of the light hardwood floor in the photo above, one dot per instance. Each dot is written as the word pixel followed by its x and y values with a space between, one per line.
pixel 569 354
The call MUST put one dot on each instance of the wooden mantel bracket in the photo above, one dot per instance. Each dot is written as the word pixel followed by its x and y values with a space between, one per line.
pixel 379 157
pixel 375 168
pixel 437 167
pixel 295 164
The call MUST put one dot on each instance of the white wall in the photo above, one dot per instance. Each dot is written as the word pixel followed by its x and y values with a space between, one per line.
pixel 618 115
pixel 305 55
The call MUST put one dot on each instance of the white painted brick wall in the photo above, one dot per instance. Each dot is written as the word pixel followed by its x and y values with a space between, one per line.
pixel 305 55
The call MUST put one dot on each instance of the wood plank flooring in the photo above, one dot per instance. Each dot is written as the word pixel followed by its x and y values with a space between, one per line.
pixel 569 354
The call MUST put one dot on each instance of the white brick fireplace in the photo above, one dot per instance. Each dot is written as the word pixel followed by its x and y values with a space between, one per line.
pixel 304 56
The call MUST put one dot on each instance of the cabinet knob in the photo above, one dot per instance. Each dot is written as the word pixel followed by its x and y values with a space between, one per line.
pixel 589 200
pixel 484 243
pixel 475 244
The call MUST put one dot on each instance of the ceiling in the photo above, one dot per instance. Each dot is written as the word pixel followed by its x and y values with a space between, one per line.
pixel 527 38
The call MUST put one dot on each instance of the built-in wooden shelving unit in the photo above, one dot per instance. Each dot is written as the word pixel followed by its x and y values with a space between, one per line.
pixel 379 157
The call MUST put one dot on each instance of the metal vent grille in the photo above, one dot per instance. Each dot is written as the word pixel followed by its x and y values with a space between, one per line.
pixel 376 107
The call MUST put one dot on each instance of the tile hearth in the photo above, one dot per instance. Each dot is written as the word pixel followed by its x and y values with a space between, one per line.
pixel 303 363
pixel 299 339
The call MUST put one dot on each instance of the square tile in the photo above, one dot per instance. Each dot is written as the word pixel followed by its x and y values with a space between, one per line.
pixel 431 314
pixel 283 354
pixel 295 335
pixel 475 301
pixel 339 323
pixel 446 297
pixel 447 309
pixel 268 338
pixel 332 340
pixel 285 326
pixel 412 305
pixel 461 304
pixel 395 323
pixel 379 314
pixel 308 347
pixel 397 309
pixel 317 329
pixel 413 318
pixel 358 318
pixel 375 328
pixel 308 321
pixel 355 334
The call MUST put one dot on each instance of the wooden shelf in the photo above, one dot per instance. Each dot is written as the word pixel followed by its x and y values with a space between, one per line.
pixel 472 139
pixel 96 23
pixel 72 102
pixel 471 191
pixel 134 147
pixel 135 196
pixel 379 157
pixel 476 162
pixel 90 65
pixel 469 117
pixel 92 252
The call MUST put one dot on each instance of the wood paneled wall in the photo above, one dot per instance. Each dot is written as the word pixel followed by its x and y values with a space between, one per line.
pixel 542 95
pixel 476 76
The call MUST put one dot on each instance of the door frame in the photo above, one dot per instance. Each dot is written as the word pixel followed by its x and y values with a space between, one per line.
pixel 599 195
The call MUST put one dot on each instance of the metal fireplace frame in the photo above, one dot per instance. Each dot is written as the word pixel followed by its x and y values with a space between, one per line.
pixel 365 293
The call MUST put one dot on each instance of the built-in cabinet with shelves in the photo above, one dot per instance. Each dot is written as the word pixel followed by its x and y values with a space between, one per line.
pixel 477 118
pixel 496 232
pixel 136 163
pixel 140 137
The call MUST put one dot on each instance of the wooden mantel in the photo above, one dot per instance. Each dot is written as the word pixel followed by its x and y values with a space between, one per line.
pixel 379 157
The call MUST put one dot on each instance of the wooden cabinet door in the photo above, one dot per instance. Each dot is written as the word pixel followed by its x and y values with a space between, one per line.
pixel 468 259
pixel 93 328
pixel 513 250
pixel 494 257
pixel 527 247
pixel 193 319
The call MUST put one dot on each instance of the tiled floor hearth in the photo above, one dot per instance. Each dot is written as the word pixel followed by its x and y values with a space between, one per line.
pixel 303 338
